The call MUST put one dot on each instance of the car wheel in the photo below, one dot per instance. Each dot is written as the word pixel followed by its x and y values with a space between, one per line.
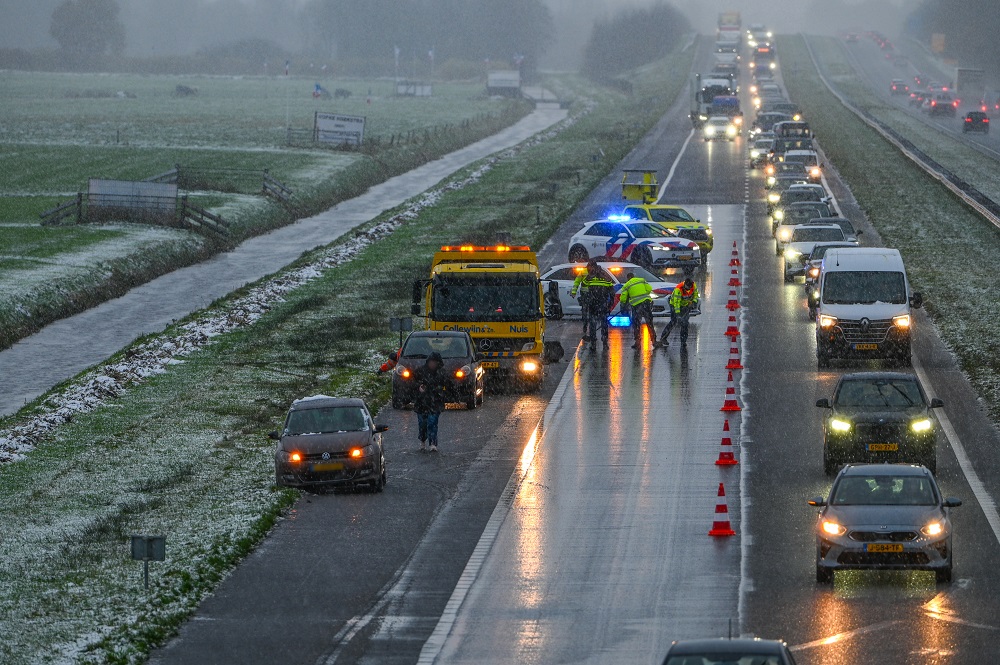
pixel 812 314
pixel 943 575
pixel 823 575
pixel 578 254
pixel 379 483
pixel 553 309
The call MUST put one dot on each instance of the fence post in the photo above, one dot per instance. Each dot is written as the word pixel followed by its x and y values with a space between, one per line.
pixel 79 207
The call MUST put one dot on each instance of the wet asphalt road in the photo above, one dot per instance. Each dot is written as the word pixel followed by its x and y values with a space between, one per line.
pixel 575 530
pixel 66 347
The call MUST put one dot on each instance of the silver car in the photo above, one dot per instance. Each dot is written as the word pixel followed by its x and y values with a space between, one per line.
pixel 884 516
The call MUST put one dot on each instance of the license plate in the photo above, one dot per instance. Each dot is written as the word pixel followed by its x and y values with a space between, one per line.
pixel 883 548
pixel 495 364
pixel 866 347
pixel 684 258
pixel 329 466
pixel 883 447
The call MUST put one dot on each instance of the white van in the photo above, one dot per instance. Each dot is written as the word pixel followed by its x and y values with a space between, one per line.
pixel 864 306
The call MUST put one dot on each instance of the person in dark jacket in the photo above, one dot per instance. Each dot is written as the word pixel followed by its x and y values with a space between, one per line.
pixel 432 386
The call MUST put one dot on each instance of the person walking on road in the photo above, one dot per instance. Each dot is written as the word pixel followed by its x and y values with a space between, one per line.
pixel 683 299
pixel 580 287
pixel 432 385
pixel 638 295
pixel 600 290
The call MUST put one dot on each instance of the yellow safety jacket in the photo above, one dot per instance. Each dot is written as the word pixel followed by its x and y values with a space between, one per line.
pixel 680 298
pixel 636 291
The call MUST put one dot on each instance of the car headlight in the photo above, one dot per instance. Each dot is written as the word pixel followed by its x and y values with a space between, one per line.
pixel 792 254
pixel 933 529
pixel 403 371
pixel 833 528
pixel 358 453
pixel 731 130
pixel 754 154
pixel 293 456
pixel 529 367
pixel 839 425
pixel 463 372
pixel 773 198
pixel 770 182
pixel 922 425
pixel 815 172
pixel 827 321
pixel 708 231
pixel 709 131
pixel 773 65
pixel 814 272
pixel 527 346
pixel 779 214
pixel 785 235
pixel 756 101
pixel 902 321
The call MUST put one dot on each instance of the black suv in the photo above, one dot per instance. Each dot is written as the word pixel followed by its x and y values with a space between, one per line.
pixel 461 363
pixel 976 121
pixel 879 417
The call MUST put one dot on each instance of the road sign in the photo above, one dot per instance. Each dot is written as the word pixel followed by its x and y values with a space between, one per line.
pixel 146 549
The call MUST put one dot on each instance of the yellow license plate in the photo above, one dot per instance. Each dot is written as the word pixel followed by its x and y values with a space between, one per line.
pixel 329 466
pixel 684 258
pixel 883 447
pixel 866 347
pixel 494 364
pixel 883 548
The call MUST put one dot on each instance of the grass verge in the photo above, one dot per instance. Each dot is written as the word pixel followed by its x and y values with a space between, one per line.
pixel 948 249
pixel 183 453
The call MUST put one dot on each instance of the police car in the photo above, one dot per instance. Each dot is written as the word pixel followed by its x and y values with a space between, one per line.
pixel 558 282
pixel 645 243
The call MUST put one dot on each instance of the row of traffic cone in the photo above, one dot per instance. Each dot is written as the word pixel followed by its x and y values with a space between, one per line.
pixel 722 527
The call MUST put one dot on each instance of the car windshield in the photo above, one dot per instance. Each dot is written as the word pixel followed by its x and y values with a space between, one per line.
pixel 649 230
pixel 819 251
pixel 326 420
pixel 670 215
pixel 793 195
pixel 794 216
pixel 859 287
pixel 725 659
pixel 621 273
pixel 802 159
pixel 806 234
pixel 791 167
pixel 763 144
pixel 449 347
pixel 495 297
pixel 878 393
pixel 883 490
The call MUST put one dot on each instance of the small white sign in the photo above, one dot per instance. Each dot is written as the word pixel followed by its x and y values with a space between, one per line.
pixel 339 129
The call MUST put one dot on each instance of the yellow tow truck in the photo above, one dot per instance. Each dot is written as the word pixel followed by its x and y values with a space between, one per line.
pixel 641 185
pixel 496 295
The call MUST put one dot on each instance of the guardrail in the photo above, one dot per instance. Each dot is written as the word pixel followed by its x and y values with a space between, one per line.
pixel 987 208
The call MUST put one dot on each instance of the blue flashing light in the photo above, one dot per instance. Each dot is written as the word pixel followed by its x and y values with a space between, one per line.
pixel 620 321
pixel 619 218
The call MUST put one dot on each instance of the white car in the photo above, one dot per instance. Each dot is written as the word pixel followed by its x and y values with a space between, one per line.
pixel 801 241
pixel 720 127
pixel 559 302
pixel 648 244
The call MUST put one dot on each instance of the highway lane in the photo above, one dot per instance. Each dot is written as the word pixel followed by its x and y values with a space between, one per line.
pixel 866 617
pixel 351 577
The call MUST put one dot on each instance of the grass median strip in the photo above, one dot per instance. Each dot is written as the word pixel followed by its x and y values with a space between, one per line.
pixel 178 448
pixel 949 250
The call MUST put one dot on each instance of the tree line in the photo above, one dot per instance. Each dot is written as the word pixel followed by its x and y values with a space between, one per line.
pixel 632 38
pixel 969 27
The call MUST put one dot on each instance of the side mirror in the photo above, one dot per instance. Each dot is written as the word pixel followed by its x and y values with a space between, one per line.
pixel 817 502
pixel 823 403
pixel 917 300
pixel 381 428
pixel 274 436
pixel 937 403
pixel 623 236
pixel 952 502
pixel 415 309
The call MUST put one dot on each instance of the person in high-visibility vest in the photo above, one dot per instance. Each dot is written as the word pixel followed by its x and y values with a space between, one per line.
pixel 638 295
pixel 600 290
pixel 683 299
pixel 579 287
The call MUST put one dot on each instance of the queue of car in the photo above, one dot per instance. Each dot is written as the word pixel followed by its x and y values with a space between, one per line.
pixel 880 438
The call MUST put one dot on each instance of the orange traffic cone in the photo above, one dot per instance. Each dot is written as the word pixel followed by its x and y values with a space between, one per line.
pixel 735 279
pixel 733 303
pixel 726 454
pixel 734 358
pixel 731 404
pixel 721 525
pixel 732 331
pixel 735 261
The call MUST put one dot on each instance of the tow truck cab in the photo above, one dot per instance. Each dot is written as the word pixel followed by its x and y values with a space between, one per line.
pixel 494 294
pixel 864 306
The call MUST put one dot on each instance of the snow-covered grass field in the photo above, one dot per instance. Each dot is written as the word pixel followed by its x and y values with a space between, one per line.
pixel 169 436
pixel 950 252
pixel 969 164
pixel 58 130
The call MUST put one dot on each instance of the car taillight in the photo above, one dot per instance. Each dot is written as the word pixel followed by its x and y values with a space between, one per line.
pixel 968 119
pixel 986 119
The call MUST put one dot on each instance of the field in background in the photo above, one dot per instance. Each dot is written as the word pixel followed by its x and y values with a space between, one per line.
pixel 58 130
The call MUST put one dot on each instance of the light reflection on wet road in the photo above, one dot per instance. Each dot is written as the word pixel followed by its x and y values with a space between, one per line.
pixel 606 541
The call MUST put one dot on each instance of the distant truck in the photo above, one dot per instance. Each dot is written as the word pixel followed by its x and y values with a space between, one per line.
pixel 969 83
pixel 704 90
pixel 495 295
pixel 504 82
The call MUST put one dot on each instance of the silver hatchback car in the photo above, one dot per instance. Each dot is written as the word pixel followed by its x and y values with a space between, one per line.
pixel 884 516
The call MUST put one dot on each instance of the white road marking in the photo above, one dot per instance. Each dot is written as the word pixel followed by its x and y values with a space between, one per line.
pixel 673 167
pixel 978 489
pixel 435 643
pixel 840 637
